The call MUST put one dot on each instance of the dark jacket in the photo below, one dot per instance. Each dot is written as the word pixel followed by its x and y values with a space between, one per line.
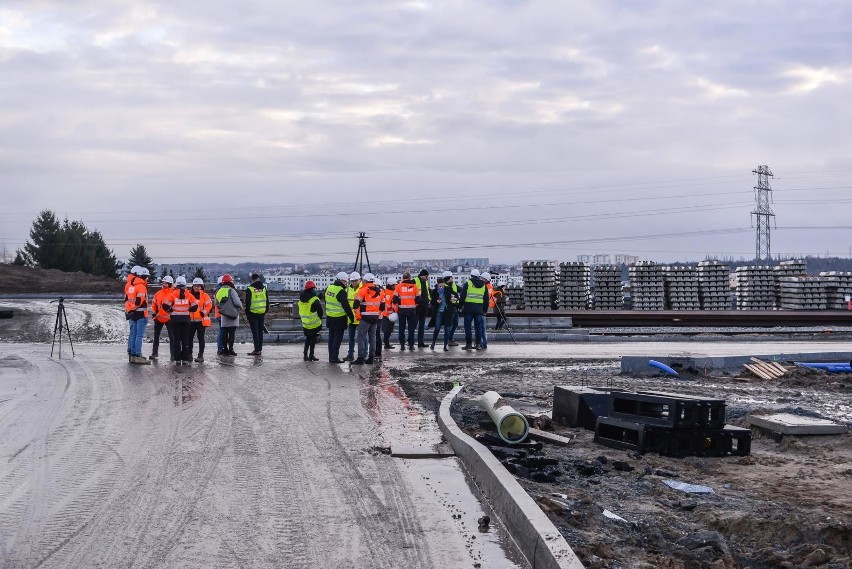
pixel 258 285
pixel 308 294
pixel 470 307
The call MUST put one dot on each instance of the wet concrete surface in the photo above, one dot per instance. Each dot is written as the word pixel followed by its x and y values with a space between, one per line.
pixel 269 462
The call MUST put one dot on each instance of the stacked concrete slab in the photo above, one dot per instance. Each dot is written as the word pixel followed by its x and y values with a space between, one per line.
pixel 755 287
pixel 838 285
pixel 574 286
pixel 647 286
pixel 607 284
pixel 802 293
pixel 540 283
pixel 714 285
pixel 791 268
pixel 681 287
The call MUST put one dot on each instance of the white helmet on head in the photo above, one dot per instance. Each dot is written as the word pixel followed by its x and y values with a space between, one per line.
pixel 134 270
pixel 355 276
pixel 446 274
pixel 370 278
pixel 198 281
pixel 392 281
pixel 378 281
pixel 180 281
pixel 474 272
pixel 143 272
pixel 341 276
pixel 168 279
pixel 486 277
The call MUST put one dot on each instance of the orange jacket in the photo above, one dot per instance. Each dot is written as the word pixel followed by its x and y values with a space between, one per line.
pixel 160 315
pixel 492 302
pixel 405 294
pixel 370 299
pixel 136 295
pixel 181 308
pixel 205 305
pixel 387 298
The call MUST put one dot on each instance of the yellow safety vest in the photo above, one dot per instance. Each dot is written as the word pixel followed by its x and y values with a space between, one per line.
pixel 333 308
pixel 258 300
pixel 475 295
pixel 310 319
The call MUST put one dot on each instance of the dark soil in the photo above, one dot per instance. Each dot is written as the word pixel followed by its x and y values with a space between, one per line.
pixel 785 505
pixel 21 280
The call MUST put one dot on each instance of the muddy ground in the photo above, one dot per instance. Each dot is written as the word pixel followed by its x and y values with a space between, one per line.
pixel 19 280
pixel 788 504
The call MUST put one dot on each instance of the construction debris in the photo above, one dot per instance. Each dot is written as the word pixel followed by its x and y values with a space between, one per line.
pixel 767 370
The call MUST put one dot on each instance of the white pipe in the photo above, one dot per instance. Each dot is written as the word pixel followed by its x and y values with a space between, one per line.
pixel 511 425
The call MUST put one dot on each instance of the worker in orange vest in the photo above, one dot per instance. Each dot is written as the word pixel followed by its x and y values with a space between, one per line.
pixel 486 276
pixel 406 299
pixel 200 318
pixel 180 304
pixel 136 312
pixel 161 317
pixel 388 321
pixel 368 301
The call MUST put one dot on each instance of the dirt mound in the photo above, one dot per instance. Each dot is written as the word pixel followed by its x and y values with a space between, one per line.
pixel 20 280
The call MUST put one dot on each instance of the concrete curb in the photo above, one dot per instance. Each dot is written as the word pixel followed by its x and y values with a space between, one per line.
pixel 534 534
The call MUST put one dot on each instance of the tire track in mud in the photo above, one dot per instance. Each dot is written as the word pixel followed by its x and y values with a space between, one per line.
pixel 391 530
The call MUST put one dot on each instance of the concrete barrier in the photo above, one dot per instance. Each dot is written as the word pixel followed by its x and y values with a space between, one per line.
pixel 533 532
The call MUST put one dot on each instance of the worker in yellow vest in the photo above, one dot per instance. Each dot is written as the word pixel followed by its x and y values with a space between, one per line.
pixel 338 314
pixel 310 312
pixel 474 303
pixel 351 291
pixel 256 306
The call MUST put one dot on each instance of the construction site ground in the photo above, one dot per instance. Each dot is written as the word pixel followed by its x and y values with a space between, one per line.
pixel 276 462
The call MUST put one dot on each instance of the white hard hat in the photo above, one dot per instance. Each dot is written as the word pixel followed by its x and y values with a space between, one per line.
pixel 341 276
pixel 355 276
pixel 392 281
pixel 143 272
pixel 501 283
pixel 197 280
pixel 486 276
pixel 393 317
pixel 218 280
pixel 134 270
pixel 370 277
pixel 180 281
pixel 378 281
pixel 168 279
pixel 446 274
pixel 474 272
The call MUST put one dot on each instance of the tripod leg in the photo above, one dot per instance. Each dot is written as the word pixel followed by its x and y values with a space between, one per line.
pixel 55 327
pixel 68 328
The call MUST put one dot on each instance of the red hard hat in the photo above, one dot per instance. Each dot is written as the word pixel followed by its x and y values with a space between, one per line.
pixel 310 284
pixel 226 278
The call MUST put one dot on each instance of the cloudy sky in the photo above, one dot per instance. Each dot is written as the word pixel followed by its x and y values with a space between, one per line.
pixel 513 129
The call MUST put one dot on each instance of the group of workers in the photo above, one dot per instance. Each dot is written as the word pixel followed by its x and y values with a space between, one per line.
pixel 186 311
pixel 365 309
pixel 368 311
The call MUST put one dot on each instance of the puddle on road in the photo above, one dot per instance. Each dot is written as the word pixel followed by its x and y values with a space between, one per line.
pixel 406 423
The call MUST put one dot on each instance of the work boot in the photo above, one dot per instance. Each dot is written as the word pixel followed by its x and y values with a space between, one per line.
pixel 254 353
pixel 358 362
pixel 411 347
pixel 153 356
pixel 390 347
pixel 432 347
pixel 446 349
pixel 453 344
pixel 349 358
pixel 199 359
pixel 402 347
pixel 467 346
pixel 312 358
pixel 369 361
pixel 421 345
pixel 140 360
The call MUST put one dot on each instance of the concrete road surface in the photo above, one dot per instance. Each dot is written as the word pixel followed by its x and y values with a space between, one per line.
pixel 267 463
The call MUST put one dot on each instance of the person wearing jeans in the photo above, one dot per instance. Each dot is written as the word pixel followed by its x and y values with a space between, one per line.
pixel 338 313
pixel 474 302
pixel 405 297
pixel 256 306
pixel 136 312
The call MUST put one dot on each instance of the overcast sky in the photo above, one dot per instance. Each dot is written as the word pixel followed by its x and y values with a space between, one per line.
pixel 276 130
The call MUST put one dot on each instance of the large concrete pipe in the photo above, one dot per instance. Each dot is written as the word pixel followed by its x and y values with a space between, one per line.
pixel 511 425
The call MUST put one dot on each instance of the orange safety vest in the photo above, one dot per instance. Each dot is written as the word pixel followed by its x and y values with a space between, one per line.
pixel 160 296
pixel 406 292
pixel 492 302
pixel 181 306
pixel 205 305
pixel 387 297
pixel 370 299
pixel 134 290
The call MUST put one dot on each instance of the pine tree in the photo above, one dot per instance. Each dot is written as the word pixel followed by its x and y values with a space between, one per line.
pixel 22 259
pixel 45 250
pixel 199 274
pixel 139 256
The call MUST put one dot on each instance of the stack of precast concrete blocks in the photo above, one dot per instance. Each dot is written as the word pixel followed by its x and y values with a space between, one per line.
pixel 802 293
pixel 540 283
pixel 714 285
pixel 838 285
pixel 648 286
pixel 607 283
pixel 755 287
pixel 681 286
pixel 574 286
pixel 792 268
